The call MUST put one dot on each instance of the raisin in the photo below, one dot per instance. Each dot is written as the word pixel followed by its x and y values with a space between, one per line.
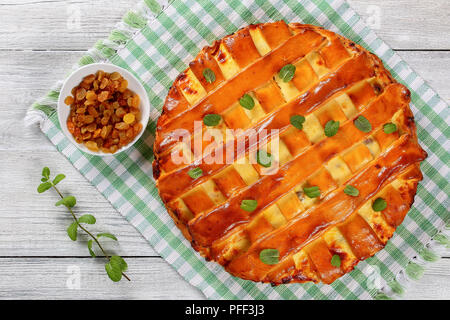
pixel 104 113
pixel 122 126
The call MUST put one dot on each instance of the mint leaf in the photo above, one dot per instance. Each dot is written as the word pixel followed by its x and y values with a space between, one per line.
pixel 331 128
pixel 363 124
pixel 269 256
pixel 249 205
pixel 287 73
pixel 119 262
pixel 44 187
pixel 72 231
pixel 336 261
pixel 212 119
pixel 389 128
pixel 247 102
pixel 68 201
pixel 351 191
pixel 209 75
pixel 297 121
pixel 46 173
pixel 379 204
pixel 106 235
pixel 195 173
pixel 58 179
pixel 87 218
pixel 114 273
pixel 312 192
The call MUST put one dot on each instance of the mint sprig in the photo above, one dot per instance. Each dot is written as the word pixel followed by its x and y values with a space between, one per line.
pixel 116 265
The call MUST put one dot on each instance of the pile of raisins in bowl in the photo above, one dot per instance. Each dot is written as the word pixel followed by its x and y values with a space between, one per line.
pixel 104 113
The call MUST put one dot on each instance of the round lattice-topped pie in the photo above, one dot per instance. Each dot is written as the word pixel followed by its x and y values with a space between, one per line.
pixel 287 153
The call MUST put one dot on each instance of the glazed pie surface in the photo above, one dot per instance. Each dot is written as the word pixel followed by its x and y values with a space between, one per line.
pixel 316 237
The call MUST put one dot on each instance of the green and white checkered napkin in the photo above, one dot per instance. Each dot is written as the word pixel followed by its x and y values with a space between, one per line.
pixel 156 41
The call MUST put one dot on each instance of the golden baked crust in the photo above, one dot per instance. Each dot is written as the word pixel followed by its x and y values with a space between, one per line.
pixel 335 79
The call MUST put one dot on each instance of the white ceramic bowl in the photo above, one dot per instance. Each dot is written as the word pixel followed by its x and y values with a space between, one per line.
pixel 74 80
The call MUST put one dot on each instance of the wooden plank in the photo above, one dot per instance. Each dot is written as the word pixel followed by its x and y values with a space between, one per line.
pixel 58 25
pixel 52 25
pixel 406 24
pixel 25 77
pixel 433 67
pixel 152 278
pixel 50 278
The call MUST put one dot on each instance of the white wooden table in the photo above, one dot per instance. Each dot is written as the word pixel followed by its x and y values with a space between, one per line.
pixel 39 41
